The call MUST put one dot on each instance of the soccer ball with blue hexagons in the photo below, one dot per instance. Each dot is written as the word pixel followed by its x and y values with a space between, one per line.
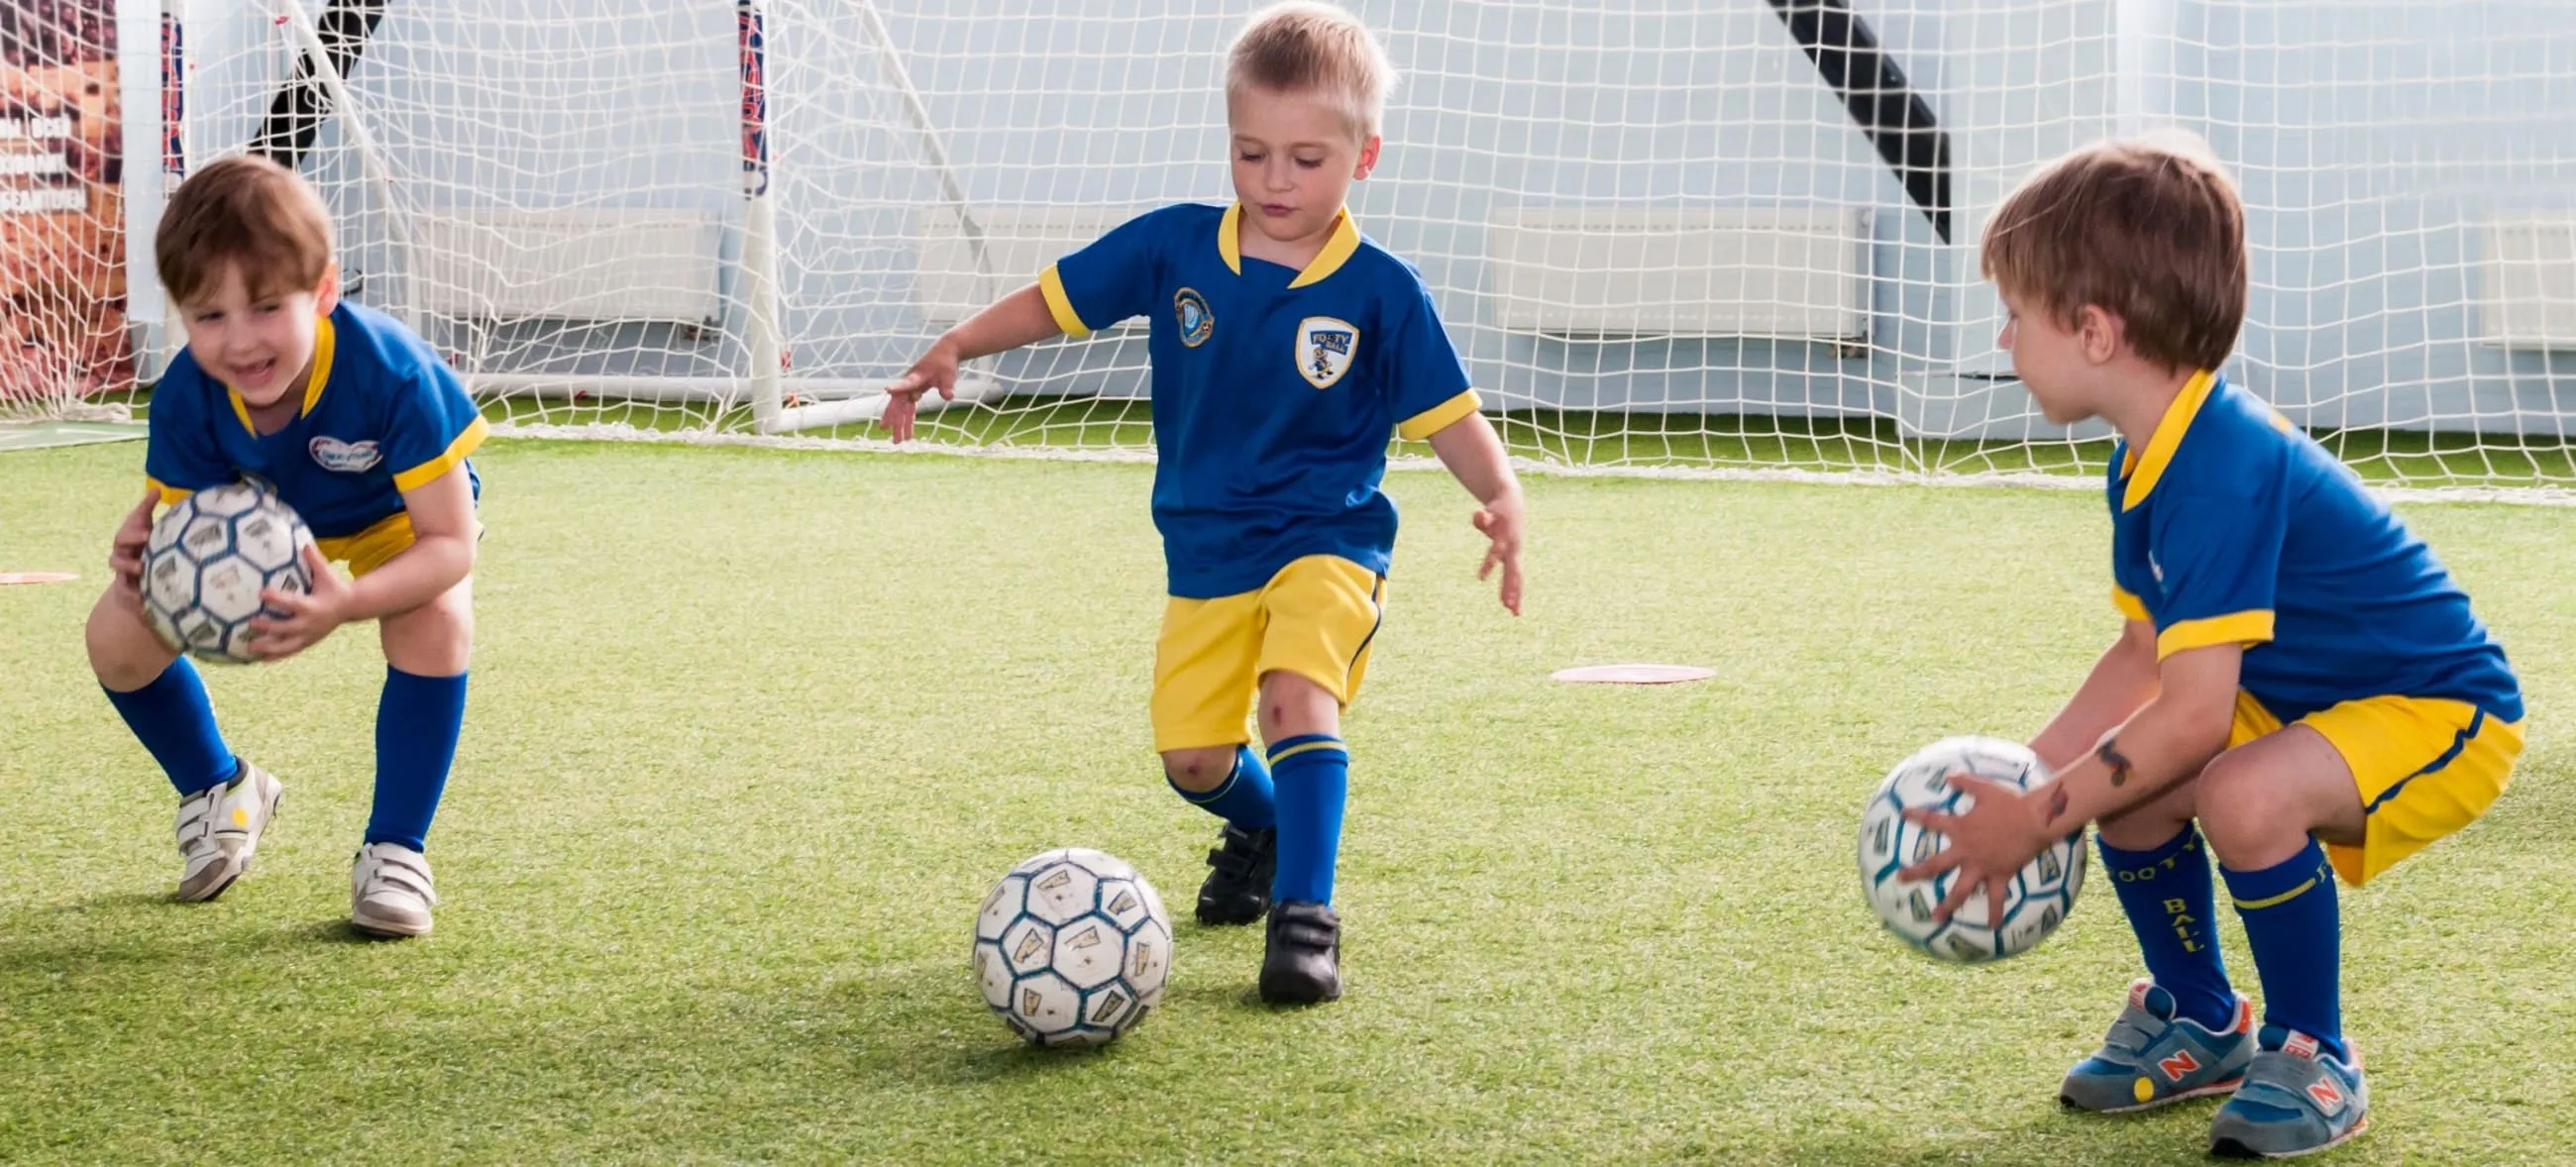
pixel 1072 948
pixel 209 557
pixel 2041 893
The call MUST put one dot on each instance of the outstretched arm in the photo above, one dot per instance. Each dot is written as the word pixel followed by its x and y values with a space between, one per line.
pixel 2166 742
pixel 1474 455
pixel 1017 319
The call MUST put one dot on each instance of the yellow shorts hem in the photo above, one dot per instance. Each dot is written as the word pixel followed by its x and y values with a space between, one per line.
pixel 1317 618
pixel 2423 767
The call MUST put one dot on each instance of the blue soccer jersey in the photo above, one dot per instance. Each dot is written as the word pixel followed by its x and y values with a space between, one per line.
pixel 382 415
pixel 1274 391
pixel 2232 526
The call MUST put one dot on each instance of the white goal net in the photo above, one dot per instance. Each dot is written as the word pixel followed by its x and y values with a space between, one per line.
pixel 1665 234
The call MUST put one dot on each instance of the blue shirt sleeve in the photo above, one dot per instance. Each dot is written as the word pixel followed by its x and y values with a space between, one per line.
pixel 180 454
pixel 1427 383
pixel 430 425
pixel 1112 279
pixel 2218 555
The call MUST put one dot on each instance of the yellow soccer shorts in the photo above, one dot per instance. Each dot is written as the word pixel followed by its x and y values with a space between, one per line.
pixel 2425 767
pixel 381 541
pixel 1316 618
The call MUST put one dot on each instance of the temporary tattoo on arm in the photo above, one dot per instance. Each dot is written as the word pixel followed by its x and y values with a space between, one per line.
pixel 2056 804
pixel 2109 752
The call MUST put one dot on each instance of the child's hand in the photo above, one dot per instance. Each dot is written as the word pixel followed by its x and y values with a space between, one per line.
pixel 125 552
pixel 2000 832
pixel 1501 522
pixel 307 618
pixel 937 369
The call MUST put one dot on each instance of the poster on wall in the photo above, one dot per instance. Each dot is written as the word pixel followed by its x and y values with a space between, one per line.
pixel 62 209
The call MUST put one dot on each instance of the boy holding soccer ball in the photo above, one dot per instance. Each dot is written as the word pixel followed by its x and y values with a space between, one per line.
pixel 362 430
pixel 1286 347
pixel 2300 689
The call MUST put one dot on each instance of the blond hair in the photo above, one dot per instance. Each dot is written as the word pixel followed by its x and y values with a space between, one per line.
pixel 243 210
pixel 1305 47
pixel 2148 229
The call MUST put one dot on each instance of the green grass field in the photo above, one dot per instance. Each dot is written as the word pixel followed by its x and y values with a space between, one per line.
pixel 752 731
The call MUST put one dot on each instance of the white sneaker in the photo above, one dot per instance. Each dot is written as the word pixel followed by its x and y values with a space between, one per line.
pixel 219 829
pixel 390 892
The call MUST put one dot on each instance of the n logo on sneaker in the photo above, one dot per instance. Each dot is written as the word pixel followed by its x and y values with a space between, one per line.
pixel 2328 1096
pixel 2179 1064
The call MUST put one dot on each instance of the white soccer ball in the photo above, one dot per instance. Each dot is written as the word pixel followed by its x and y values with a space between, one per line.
pixel 209 557
pixel 1072 948
pixel 2040 895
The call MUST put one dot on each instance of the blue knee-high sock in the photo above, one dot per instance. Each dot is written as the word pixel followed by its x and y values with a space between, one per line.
pixel 417 722
pixel 2295 927
pixel 2172 905
pixel 176 722
pixel 1243 799
pixel 1313 776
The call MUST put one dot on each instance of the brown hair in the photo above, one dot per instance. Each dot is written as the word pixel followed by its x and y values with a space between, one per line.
pixel 246 210
pixel 1305 47
pixel 2149 230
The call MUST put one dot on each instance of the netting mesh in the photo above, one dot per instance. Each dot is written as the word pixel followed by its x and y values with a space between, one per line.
pixel 1660 233
pixel 62 217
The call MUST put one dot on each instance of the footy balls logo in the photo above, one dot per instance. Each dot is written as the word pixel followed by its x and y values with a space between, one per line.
pixel 342 457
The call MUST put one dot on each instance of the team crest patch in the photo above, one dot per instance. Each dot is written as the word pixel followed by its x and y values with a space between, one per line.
pixel 1197 322
pixel 345 457
pixel 1324 348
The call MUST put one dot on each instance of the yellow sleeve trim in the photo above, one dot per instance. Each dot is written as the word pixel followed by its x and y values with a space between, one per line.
pixel 1438 417
pixel 2128 603
pixel 2247 628
pixel 428 472
pixel 169 494
pixel 1060 305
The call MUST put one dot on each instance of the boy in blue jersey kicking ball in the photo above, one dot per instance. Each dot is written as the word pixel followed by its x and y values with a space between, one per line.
pixel 361 429
pixel 1286 347
pixel 2300 688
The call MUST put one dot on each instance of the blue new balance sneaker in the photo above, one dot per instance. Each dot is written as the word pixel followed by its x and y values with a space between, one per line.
pixel 2152 1058
pixel 2296 1100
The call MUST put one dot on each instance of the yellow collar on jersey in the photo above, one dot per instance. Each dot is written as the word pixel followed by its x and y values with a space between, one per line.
pixel 2144 468
pixel 325 340
pixel 1344 243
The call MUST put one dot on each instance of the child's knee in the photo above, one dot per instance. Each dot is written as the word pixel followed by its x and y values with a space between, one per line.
pixel 123 652
pixel 2243 816
pixel 435 639
pixel 1293 704
pixel 2153 823
pixel 1199 769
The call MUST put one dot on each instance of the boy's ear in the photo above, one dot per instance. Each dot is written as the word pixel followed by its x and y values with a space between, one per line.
pixel 1368 157
pixel 326 294
pixel 2099 333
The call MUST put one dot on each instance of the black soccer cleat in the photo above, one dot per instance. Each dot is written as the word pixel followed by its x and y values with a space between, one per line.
pixel 1304 963
pixel 1237 890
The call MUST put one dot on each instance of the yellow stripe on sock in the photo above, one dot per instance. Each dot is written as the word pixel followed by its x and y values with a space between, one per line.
pixel 2283 898
pixel 1293 751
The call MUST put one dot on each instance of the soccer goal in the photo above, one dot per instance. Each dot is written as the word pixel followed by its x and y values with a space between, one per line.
pixel 1704 237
